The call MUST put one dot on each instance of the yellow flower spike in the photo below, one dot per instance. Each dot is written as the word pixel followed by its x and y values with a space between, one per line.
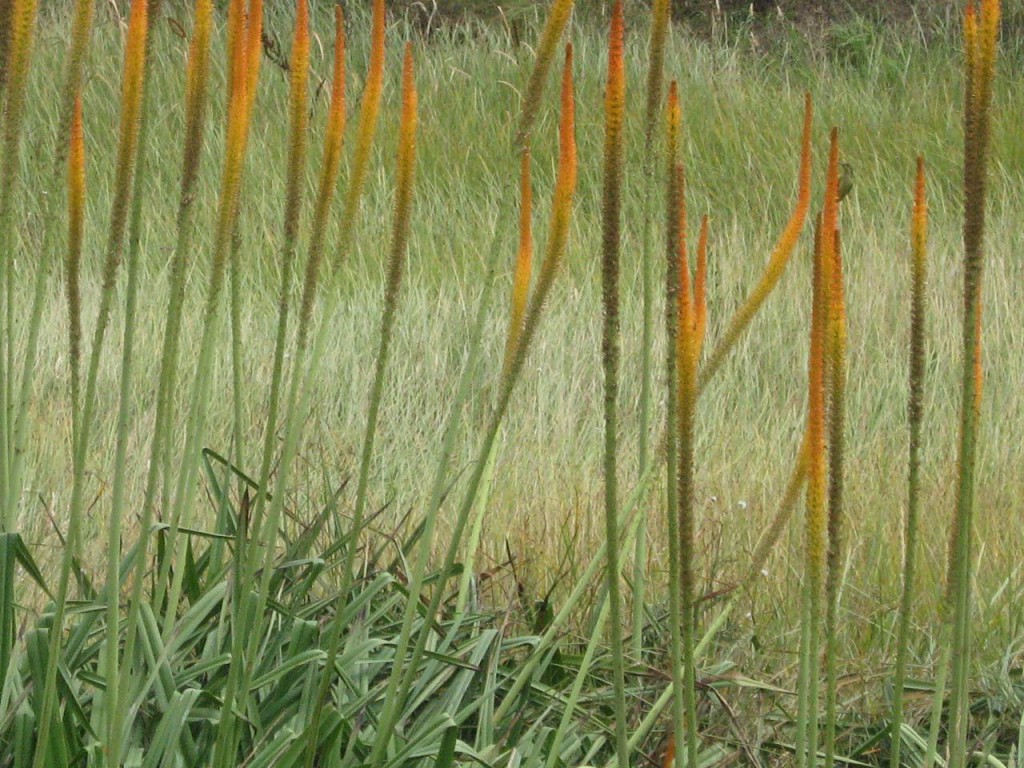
pixel 524 263
pixel 700 292
pixel 336 118
pixel 236 34
pixel 552 33
pixel 333 140
pixel 561 213
pixel 368 111
pixel 776 262
pixel 565 178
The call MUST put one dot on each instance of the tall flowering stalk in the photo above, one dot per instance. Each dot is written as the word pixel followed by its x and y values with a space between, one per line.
pixel 554 255
pixel 18 41
pixel 366 130
pixel 652 115
pixel 76 227
pixel 981 30
pixel 686 402
pixel 127 158
pixel 405 174
pixel 817 470
pixel 554 26
pixel 611 225
pixel 675 244
pixel 836 384
pixel 915 409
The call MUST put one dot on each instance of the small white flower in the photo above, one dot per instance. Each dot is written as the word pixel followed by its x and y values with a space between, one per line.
pixel 741 504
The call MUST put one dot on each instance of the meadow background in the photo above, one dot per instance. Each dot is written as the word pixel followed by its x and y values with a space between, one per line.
pixel 893 90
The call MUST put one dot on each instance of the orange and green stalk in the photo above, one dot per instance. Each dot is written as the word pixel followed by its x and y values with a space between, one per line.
pixel 254 29
pixel 686 401
pixel 196 97
pixel 298 130
pixel 554 255
pixel 554 26
pixel 366 130
pixel 524 264
pixel 333 140
pixel 816 518
pixel 652 115
pixel 915 409
pixel 981 30
pixel 126 164
pixel 675 244
pixel 700 293
pixel 76 228
pixel 776 262
pixel 405 174
pixel 19 39
pixel 836 393
pixel 611 225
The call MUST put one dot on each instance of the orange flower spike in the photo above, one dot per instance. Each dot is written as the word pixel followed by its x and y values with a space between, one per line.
pixel 76 177
pixel 524 262
pixel 299 74
pixel 254 45
pixel 615 92
pixel 336 117
pixel 198 56
pixel 407 124
pixel 236 34
pixel 76 224
pixel 565 186
pixel 919 227
pixel 684 299
pixel 134 65
pixel 567 137
pixel 700 291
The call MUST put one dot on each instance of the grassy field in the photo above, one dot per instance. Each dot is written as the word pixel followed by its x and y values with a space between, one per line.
pixel 897 96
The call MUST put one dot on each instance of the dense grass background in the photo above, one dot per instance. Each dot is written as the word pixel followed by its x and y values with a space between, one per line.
pixel 891 96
